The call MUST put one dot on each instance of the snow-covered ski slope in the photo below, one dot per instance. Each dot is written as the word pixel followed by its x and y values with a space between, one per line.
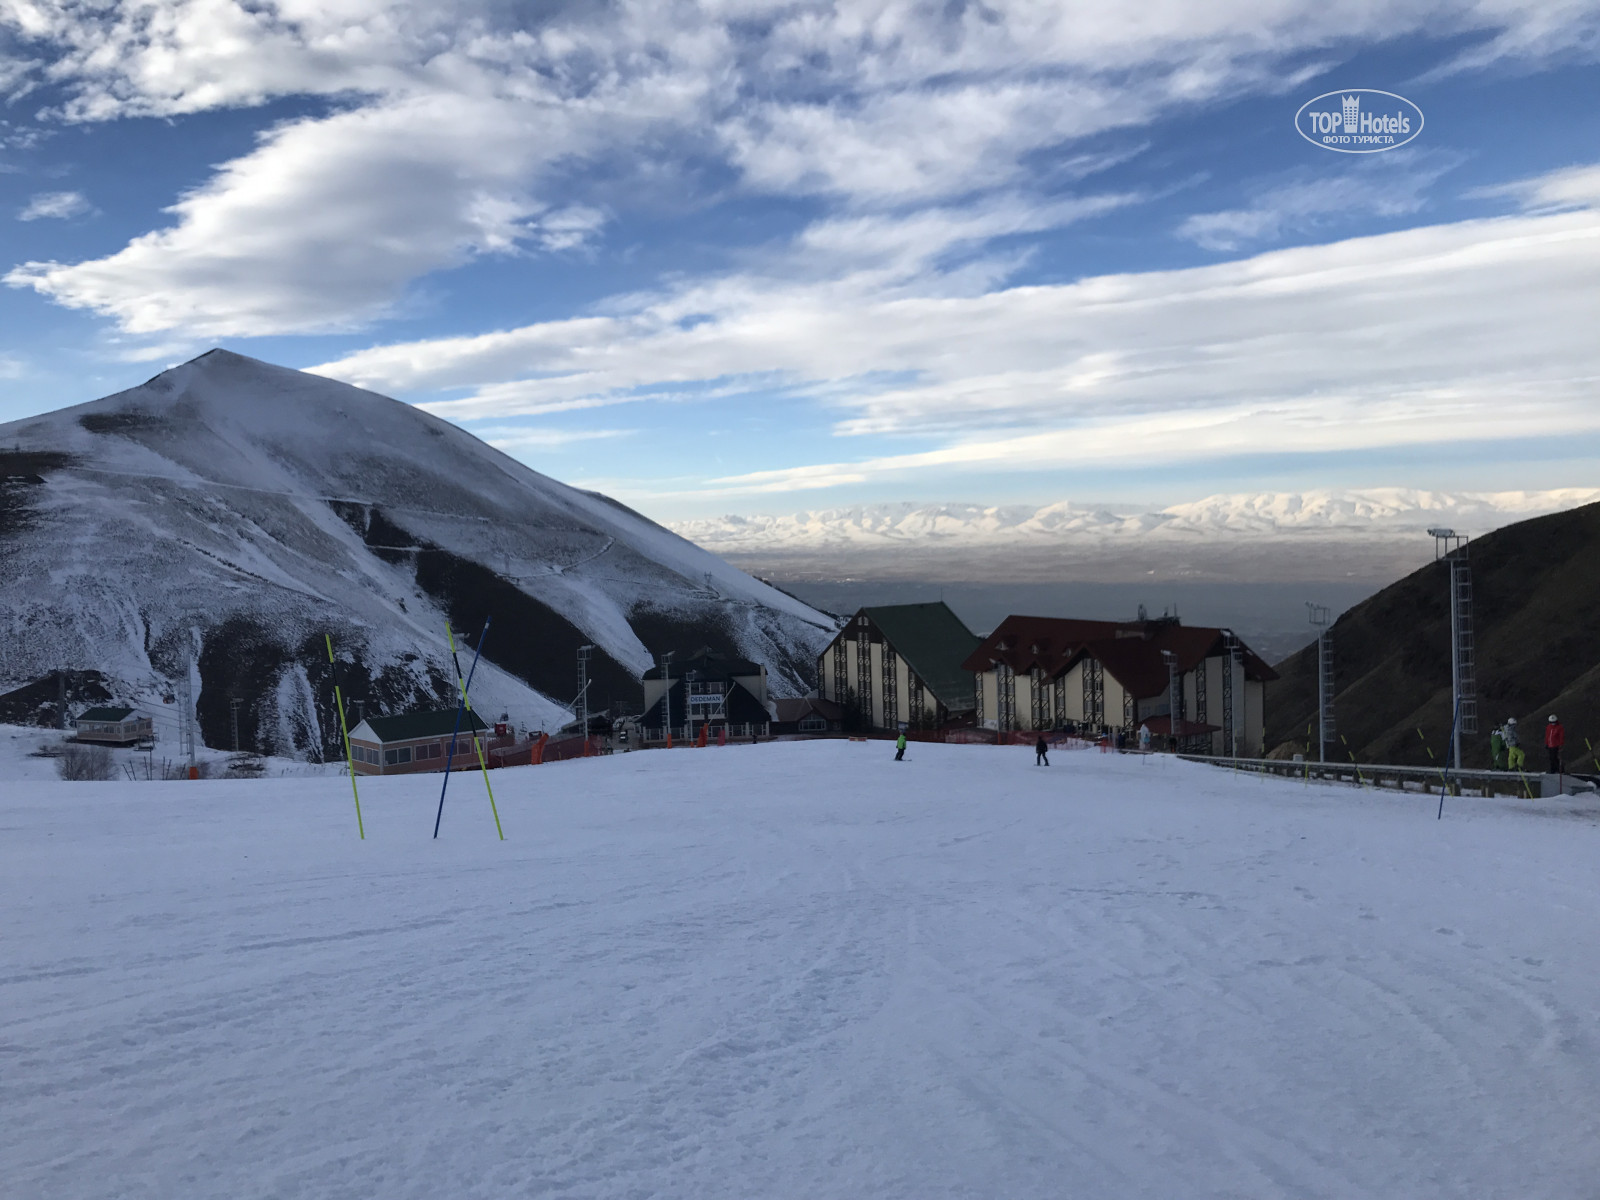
pixel 798 970
pixel 239 511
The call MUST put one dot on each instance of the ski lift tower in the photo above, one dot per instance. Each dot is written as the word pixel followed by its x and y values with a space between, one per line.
pixel 1321 617
pixel 1452 548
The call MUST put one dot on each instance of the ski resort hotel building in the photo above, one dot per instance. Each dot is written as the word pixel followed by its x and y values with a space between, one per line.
pixel 918 666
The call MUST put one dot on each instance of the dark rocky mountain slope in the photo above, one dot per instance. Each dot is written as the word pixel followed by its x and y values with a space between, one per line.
pixel 1536 591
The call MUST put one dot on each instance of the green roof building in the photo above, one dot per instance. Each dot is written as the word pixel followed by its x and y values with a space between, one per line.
pixel 900 664
pixel 413 742
pixel 113 726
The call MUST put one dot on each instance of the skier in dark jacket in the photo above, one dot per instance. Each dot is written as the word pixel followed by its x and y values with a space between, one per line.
pixel 1041 752
pixel 1554 738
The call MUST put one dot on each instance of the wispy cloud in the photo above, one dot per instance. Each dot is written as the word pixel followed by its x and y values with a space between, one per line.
pixel 1399 339
pixel 55 206
pixel 1574 187
pixel 1389 185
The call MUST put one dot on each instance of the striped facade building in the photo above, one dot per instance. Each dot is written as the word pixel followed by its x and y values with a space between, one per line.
pixel 1040 673
pixel 900 664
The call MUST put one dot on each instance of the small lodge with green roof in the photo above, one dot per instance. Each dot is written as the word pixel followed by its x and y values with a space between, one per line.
pixel 114 727
pixel 416 742
pixel 901 664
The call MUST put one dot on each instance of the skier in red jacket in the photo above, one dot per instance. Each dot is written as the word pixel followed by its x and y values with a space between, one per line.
pixel 1554 738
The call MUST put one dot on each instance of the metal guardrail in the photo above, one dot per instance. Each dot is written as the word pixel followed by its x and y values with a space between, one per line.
pixel 1390 777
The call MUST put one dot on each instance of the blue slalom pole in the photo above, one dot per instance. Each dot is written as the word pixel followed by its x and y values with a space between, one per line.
pixel 461 705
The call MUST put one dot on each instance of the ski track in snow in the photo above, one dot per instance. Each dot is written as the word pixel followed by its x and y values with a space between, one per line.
pixel 797 970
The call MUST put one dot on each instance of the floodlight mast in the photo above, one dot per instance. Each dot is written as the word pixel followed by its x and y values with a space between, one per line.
pixel 666 696
pixel 1452 548
pixel 1321 617
pixel 583 687
pixel 1171 659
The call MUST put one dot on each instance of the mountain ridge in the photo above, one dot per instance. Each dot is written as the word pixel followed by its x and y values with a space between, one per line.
pixel 231 512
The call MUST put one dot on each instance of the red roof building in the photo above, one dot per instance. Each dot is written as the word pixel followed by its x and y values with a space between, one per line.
pixel 1038 673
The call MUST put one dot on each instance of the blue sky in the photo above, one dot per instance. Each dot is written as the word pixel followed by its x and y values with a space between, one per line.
pixel 734 257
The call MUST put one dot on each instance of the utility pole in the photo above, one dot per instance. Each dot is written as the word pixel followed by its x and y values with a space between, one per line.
pixel 583 686
pixel 1321 617
pixel 1452 548
pixel 233 718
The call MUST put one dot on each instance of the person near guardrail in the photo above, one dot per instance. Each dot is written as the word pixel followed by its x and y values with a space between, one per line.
pixel 1144 739
pixel 1516 756
pixel 1497 748
pixel 1554 738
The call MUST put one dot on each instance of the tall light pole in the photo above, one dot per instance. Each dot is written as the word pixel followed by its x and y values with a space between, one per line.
pixel 583 686
pixel 666 696
pixel 1171 659
pixel 1452 548
pixel 1230 682
pixel 1321 617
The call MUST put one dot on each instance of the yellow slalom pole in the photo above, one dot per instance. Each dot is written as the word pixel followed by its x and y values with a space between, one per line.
pixel 1442 777
pixel 345 729
pixel 483 764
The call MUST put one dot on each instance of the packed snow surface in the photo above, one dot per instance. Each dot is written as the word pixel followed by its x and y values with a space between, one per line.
pixel 798 970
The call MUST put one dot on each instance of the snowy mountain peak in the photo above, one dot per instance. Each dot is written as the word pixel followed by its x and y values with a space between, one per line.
pixel 234 513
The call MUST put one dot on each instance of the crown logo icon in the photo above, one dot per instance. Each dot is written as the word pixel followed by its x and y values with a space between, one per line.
pixel 1352 112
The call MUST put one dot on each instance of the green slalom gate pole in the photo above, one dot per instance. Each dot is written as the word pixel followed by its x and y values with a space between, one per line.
pixel 344 729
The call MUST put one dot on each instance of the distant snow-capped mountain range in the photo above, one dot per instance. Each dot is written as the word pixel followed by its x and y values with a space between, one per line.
pixel 1343 524
pixel 1394 511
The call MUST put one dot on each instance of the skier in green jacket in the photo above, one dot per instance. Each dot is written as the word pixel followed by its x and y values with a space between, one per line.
pixel 900 748
pixel 1497 749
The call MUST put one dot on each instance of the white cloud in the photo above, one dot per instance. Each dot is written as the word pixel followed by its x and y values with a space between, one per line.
pixel 1400 339
pixel 1574 187
pixel 324 225
pixel 466 127
pixel 1389 185
pixel 55 206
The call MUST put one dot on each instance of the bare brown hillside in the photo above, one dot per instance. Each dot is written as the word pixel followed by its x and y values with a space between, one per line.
pixel 1537 593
